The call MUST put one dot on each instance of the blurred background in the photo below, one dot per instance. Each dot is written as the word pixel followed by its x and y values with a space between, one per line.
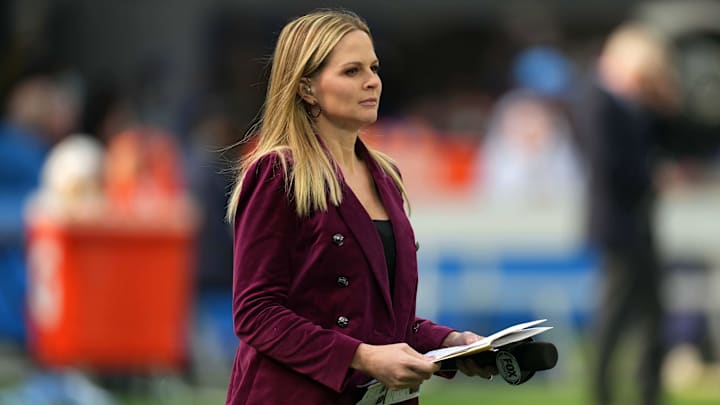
pixel 115 260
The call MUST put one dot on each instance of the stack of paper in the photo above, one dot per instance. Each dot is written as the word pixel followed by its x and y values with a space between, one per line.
pixel 506 336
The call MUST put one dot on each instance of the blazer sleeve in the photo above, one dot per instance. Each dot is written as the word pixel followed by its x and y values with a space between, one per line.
pixel 428 335
pixel 265 230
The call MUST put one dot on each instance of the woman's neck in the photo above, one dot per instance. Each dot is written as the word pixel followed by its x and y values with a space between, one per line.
pixel 341 145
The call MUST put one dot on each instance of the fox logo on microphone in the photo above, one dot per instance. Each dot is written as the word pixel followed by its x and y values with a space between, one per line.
pixel 508 367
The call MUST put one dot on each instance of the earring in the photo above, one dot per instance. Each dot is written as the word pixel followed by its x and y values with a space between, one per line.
pixel 309 110
pixel 308 90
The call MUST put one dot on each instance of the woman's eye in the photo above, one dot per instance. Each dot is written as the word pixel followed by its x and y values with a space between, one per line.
pixel 375 68
pixel 351 71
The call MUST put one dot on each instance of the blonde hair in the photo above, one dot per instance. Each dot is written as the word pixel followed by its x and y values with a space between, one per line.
pixel 637 61
pixel 285 126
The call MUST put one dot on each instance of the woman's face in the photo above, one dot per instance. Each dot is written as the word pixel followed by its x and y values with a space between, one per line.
pixel 348 86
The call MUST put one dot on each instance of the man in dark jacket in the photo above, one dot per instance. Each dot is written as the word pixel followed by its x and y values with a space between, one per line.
pixel 624 132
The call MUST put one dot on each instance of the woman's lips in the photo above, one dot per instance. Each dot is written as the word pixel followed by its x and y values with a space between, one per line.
pixel 370 102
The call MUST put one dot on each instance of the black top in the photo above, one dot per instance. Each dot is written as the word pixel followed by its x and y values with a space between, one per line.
pixel 624 154
pixel 387 237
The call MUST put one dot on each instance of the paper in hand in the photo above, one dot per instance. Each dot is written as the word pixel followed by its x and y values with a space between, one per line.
pixel 506 336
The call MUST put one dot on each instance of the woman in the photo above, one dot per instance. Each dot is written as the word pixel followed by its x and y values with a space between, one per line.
pixel 325 270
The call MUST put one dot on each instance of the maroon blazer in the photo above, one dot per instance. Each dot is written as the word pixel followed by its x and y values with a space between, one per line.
pixel 307 291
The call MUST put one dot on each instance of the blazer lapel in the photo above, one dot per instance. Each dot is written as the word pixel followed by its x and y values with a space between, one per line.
pixel 404 247
pixel 362 227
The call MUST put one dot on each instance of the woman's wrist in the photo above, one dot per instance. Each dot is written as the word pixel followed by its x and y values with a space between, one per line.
pixel 358 361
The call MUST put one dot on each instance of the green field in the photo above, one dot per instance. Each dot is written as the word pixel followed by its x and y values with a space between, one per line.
pixel 467 391
pixel 567 384
pixel 499 393
pixel 686 383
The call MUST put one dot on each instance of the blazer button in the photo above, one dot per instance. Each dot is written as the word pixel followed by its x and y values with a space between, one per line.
pixel 342 281
pixel 416 327
pixel 417 246
pixel 338 239
pixel 343 322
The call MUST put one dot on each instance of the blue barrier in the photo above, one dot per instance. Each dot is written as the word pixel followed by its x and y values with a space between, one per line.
pixel 487 292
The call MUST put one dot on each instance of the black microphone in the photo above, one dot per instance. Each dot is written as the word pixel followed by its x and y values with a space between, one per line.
pixel 516 363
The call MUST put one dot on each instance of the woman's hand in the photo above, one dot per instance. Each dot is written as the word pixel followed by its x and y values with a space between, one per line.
pixel 466 365
pixel 397 366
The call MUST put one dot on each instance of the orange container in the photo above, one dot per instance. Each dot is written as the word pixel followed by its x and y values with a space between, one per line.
pixel 110 298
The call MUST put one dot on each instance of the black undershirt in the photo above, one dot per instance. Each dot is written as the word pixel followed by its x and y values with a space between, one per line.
pixel 384 228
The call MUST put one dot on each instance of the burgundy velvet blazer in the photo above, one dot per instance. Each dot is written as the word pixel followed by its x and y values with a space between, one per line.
pixel 307 291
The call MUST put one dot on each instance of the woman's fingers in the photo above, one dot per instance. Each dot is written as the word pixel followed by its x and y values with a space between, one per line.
pixel 470 368
pixel 460 338
pixel 397 366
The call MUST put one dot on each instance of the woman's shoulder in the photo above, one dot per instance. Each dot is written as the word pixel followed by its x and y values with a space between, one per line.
pixel 266 175
pixel 274 163
pixel 264 186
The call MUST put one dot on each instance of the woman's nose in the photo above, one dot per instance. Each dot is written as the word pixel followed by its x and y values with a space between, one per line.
pixel 373 82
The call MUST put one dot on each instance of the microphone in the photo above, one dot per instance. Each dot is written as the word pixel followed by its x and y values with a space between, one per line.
pixel 516 363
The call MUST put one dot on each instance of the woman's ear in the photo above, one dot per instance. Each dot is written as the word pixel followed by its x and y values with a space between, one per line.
pixel 305 91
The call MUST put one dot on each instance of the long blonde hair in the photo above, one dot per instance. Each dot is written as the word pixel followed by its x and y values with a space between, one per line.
pixel 285 126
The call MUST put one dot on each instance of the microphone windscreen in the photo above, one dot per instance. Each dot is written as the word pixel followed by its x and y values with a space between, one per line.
pixel 535 356
pixel 530 356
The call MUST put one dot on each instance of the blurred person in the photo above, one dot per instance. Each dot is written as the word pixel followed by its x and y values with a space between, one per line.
pixel 41 110
pixel 625 128
pixel 528 152
pixel 210 179
pixel 71 186
pixel 325 269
